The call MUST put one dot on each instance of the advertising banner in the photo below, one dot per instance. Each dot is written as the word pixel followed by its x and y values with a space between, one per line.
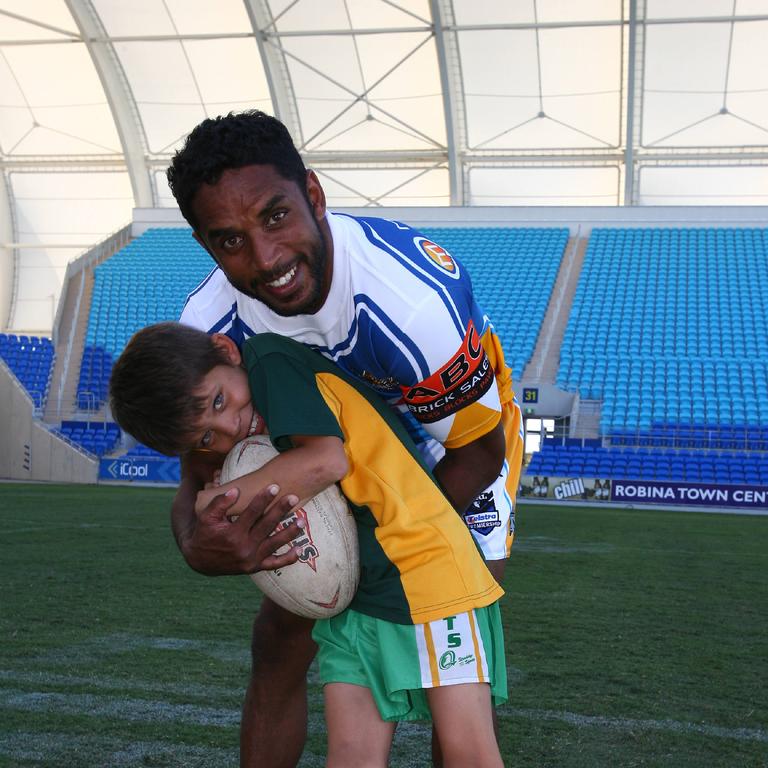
pixel 565 488
pixel 690 494
pixel 141 469
pixel 644 492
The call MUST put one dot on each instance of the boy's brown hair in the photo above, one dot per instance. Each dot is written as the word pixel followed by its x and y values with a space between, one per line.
pixel 153 383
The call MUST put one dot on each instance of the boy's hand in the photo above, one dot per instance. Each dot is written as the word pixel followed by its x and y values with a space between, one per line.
pixel 217 545
pixel 215 482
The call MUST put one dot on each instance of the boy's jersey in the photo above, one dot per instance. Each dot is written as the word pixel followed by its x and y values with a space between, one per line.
pixel 418 561
pixel 400 316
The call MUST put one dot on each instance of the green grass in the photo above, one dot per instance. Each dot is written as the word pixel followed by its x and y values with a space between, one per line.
pixel 635 638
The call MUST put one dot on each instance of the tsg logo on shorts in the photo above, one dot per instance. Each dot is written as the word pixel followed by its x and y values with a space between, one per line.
pixel 438 255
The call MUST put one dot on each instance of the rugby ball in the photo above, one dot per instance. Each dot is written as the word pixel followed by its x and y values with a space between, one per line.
pixel 324 579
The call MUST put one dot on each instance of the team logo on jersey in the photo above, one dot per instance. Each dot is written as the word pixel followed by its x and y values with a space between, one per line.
pixel 465 379
pixel 482 515
pixel 389 383
pixel 438 255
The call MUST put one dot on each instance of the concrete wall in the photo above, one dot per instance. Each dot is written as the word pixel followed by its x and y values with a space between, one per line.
pixel 28 451
pixel 551 400
pixel 6 255
pixel 579 220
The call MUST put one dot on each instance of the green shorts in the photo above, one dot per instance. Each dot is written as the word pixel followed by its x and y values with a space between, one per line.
pixel 398 661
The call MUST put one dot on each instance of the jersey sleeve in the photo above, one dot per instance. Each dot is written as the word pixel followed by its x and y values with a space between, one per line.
pixel 439 347
pixel 284 391
pixel 212 307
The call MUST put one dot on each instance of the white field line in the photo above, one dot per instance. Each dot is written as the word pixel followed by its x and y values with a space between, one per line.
pixel 73 750
pixel 53 680
pixel 548 544
pixel 410 748
pixel 76 526
pixel 585 548
pixel 147 710
pixel 630 724
pixel 118 708
pixel 97 648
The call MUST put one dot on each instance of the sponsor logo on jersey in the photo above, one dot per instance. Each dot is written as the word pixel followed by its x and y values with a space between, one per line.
pixel 308 553
pixel 465 379
pixel 447 660
pixel 438 255
pixel 388 384
pixel 482 515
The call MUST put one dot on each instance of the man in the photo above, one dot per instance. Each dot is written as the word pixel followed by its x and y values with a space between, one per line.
pixel 391 308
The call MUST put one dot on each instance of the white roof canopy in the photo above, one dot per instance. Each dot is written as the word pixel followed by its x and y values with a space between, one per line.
pixel 392 102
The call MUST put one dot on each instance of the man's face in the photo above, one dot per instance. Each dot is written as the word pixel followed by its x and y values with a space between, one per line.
pixel 267 238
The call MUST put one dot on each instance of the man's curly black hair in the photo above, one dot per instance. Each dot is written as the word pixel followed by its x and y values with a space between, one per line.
pixel 232 141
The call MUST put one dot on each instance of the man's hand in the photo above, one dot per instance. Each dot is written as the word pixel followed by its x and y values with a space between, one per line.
pixel 216 545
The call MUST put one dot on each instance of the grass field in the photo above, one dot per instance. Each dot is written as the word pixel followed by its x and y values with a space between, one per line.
pixel 635 638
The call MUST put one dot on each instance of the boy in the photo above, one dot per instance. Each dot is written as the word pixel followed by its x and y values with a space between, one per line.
pixel 423 632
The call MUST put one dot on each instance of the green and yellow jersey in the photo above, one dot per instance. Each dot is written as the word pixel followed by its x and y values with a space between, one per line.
pixel 418 560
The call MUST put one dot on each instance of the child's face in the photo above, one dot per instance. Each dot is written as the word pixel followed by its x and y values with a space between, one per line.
pixel 228 416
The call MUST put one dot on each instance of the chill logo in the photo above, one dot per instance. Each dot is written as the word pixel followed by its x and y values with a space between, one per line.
pixel 569 489
pixel 438 255
pixel 308 553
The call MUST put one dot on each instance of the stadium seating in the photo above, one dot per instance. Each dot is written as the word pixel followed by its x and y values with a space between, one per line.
pixel 513 274
pixel 669 328
pixel 149 280
pixel 570 458
pixel 98 438
pixel 30 358
pixel 140 451
pixel 145 282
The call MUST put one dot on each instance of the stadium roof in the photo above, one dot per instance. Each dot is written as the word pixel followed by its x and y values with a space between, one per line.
pixel 393 102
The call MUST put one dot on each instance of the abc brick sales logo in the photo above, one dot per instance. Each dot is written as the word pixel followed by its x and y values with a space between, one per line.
pixel 438 255
pixel 464 380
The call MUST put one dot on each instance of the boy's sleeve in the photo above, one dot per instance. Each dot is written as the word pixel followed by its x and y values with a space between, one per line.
pixel 284 391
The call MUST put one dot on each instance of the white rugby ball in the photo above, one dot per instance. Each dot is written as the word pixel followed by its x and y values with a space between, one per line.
pixel 324 579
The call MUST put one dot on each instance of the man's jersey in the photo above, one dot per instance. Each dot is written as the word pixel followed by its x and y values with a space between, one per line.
pixel 417 563
pixel 400 316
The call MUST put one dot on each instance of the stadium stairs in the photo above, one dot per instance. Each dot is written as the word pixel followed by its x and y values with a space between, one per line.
pixel 544 363
pixel 65 375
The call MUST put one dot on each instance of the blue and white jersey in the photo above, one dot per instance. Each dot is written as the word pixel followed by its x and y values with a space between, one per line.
pixel 400 316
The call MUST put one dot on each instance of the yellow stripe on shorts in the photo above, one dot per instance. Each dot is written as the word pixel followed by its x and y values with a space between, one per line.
pixel 431 654
pixel 481 676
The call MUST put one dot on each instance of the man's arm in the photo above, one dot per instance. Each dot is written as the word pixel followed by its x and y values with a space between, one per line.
pixel 214 545
pixel 464 472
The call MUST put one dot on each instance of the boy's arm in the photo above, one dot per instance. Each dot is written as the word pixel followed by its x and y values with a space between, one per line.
pixel 310 466
pixel 212 544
